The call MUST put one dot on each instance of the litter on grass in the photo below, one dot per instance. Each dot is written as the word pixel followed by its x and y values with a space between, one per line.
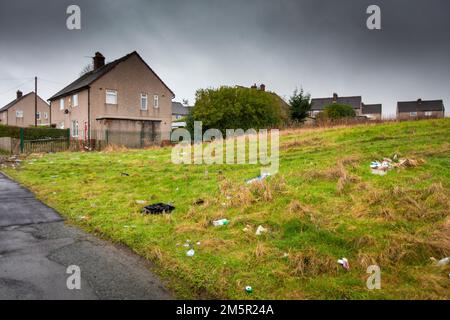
pixel 261 230
pixel 141 201
pixel 381 168
pixel 222 222
pixel 442 262
pixel 344 263
pixel 199 202
pixel 259 179
pixel 190 253
pixel 248 289
pixel 158 208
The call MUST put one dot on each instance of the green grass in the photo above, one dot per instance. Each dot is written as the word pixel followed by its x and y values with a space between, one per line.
pixel 323 205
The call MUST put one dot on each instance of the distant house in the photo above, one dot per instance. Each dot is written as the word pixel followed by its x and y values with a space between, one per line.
pixel 370 111
pixel 179 111
pixel 21 111
pixel 124 96
pixel 420 109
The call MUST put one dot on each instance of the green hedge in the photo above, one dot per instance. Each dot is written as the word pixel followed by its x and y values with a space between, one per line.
pixel 33 133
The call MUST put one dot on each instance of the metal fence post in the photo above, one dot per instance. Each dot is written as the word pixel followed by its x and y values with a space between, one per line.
pixel 107 136
pixel 22 136
pixel 68 138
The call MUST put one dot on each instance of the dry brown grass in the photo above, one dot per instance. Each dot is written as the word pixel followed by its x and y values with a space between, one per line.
pixel 113 148
pixel 311 263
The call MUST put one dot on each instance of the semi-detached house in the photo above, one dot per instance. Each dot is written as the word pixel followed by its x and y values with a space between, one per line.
pixel 124 97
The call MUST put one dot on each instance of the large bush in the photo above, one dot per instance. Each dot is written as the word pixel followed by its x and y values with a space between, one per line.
pixel 300 105
pixel 238 108
pixel 337 111
pixel 33 133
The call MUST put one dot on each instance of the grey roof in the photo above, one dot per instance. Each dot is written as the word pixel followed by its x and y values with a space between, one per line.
pixel 14 102
pixel 321 103
pixel 179 109
pixel 420 105
pixel 87 79
pixel 372 109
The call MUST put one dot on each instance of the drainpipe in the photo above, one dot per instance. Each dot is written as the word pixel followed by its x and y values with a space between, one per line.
pixel 89 117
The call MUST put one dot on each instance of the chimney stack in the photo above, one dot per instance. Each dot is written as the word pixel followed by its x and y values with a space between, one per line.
pixel 19 94
pixel 254 86
pixel 99 60
pixel 419 100
pixel 335 97
pixel 262 87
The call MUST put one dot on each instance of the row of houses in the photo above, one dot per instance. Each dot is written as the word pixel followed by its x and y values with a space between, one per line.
pixel 405 110
pixel 126 95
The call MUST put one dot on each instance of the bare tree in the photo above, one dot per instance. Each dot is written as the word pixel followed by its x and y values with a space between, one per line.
pixel 88 68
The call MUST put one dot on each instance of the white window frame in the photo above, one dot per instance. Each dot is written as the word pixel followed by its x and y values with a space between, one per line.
pixel 413 114
pixel 38 116
pixel 75 100
pixel 144 107
pixel 156 101
pixel 75 129
pixel 428 113
pixel 61 104
pixel 45 115
pixel 19 114
pixel 61 125
pixel 111 93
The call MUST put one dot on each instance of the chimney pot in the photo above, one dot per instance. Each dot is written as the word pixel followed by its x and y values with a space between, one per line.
pixel 419 100
pixel 335 97
pixel 99 60
pixel 19 94
pixel 254 86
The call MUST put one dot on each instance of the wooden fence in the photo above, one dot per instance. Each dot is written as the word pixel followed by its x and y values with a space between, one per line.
pixel 45 145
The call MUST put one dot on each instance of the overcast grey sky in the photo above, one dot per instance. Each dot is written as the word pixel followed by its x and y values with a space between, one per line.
pixel 320 45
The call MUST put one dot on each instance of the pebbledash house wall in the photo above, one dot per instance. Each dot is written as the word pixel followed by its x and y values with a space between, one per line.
pixel 130 79
pixel 26 104
pixel 420 115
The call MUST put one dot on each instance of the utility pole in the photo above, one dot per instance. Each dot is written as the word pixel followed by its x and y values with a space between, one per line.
pixel 35 102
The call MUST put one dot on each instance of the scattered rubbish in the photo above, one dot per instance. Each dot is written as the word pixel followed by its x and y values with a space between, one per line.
pixel 247 228
pixel 249 289
pixel 286 255
pixel 442 262
pixel 186 245
pixel 159 208
pixel 124 174
pixel 261 230
pixel 190 253
pixel 141 201
pixel 344 263
pixel 199 243
pixel 259 179
pixel 381 168
pixel 222 222
pixel 199 202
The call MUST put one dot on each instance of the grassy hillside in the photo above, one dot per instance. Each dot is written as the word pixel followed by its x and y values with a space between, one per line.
pixel 323 205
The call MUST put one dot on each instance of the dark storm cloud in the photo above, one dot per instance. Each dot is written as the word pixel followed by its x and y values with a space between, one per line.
pixel 323 46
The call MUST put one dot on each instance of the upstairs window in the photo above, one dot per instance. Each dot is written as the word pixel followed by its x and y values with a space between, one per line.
pixel 19 114
pixel 156 101
pixel 413 114
pixel 61 104
pixel 144 102
pixel 38 116
pixel 111 97
pixel 45 115
pixel 428 113
pixel 75 100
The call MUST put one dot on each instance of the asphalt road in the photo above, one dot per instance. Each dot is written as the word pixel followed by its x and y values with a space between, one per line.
pixel 37 247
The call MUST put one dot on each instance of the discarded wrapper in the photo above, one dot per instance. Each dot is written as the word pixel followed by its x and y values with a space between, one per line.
pixel 344 263
pixel 261 230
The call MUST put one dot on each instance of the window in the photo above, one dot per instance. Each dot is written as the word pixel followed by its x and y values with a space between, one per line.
pixel 428 113
pixel 156 101
pixel 61 125
pixel 75 129
pixel 413 114
pixel 38 116
pixel 61 104
pixel 75 100
pixel 19 114
pixel 45 115
pixel 144 102
pixel 111 97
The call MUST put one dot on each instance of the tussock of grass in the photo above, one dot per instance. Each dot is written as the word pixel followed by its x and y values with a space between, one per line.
pixel 322 206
